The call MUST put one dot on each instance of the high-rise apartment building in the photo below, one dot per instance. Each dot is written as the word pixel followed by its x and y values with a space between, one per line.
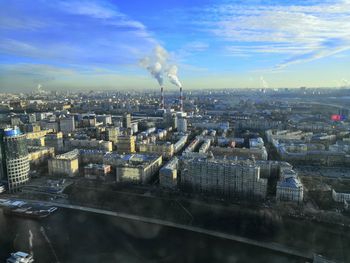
pixel 14 158
pixel 67 125
pixel 127 120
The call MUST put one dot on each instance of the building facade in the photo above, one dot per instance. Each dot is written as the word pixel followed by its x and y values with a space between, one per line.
pixel 14 159
pixel 65 164
pixel 164 149
pixel 126 144
pixel 223 177
pixel 67 125
pixel 168 174
pixel 135 168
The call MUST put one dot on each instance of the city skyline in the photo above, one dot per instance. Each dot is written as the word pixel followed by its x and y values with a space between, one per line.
pixel 215 44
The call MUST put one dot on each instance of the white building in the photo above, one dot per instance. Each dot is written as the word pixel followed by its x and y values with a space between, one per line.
pixel 134 127
pixel 223 177
pixel 340 197
pixel 137 168
pixel 256 143
pixel 182 125
pixel 289 187
pixel 105 119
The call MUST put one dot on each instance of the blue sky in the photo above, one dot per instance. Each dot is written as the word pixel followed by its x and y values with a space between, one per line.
pixel 215 44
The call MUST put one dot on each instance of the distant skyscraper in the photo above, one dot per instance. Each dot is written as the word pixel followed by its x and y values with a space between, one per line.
pixel 182 124
pixel 14 158
pixel 67 125
pixel 127 120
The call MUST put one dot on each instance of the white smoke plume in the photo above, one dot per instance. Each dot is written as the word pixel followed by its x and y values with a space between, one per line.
pixel 172 75
pixel 264 83
pixel 155 63
pixel 161 54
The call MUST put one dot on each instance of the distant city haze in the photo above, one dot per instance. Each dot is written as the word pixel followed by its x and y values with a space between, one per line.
pixel 90 44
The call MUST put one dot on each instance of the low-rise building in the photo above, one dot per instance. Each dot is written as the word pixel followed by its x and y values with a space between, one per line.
pixel 126 144
pixel 2 188
pixel 340 197
pixel 289 188
pixel 96 171
pixel 87 156
pixel 65 164
pixel 257 153
pixel 54 140
pixel 137 168
pixel 38 155
pixel 168 174
pixel 89 144
pixel 36 142
pixel 180 143
pixel 37 134
pixel 166 149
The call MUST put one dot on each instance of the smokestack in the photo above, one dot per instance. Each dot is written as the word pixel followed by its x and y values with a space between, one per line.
pixel 181 100
pixel 162 97
pixel 173 78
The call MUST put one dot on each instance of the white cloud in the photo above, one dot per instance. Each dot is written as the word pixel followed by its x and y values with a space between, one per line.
pixel 81 32
pixel 304 32
pixel 87 8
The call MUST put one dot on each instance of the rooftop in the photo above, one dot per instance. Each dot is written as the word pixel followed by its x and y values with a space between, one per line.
pixel 290 182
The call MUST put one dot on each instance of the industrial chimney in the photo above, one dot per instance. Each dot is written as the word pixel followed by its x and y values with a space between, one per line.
pixel 181 100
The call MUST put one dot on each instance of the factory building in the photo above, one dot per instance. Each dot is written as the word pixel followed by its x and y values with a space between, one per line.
pixel 14 159
pixel 223 177
pixel 65 164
